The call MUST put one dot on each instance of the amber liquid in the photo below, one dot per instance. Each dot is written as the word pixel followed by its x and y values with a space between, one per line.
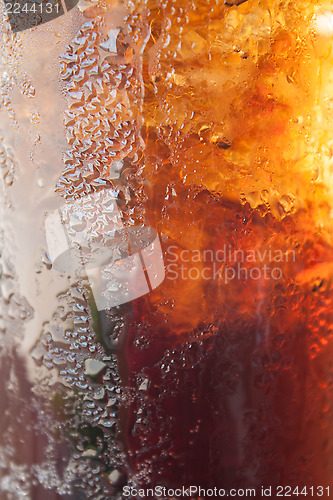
pixel 233 378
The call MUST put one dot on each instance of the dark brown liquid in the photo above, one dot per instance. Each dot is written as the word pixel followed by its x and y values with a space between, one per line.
pixel 243 398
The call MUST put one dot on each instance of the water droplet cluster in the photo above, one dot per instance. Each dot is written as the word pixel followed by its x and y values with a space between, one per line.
pixel 88 391
pixel 104 90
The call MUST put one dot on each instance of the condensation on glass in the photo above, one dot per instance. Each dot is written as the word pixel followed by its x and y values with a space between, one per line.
pixel 210 123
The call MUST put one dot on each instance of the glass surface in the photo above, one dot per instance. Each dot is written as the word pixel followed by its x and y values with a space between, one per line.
pixel 166 249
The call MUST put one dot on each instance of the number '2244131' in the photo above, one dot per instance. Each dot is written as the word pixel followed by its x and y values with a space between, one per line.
pixel 18 8
pixel 312 491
